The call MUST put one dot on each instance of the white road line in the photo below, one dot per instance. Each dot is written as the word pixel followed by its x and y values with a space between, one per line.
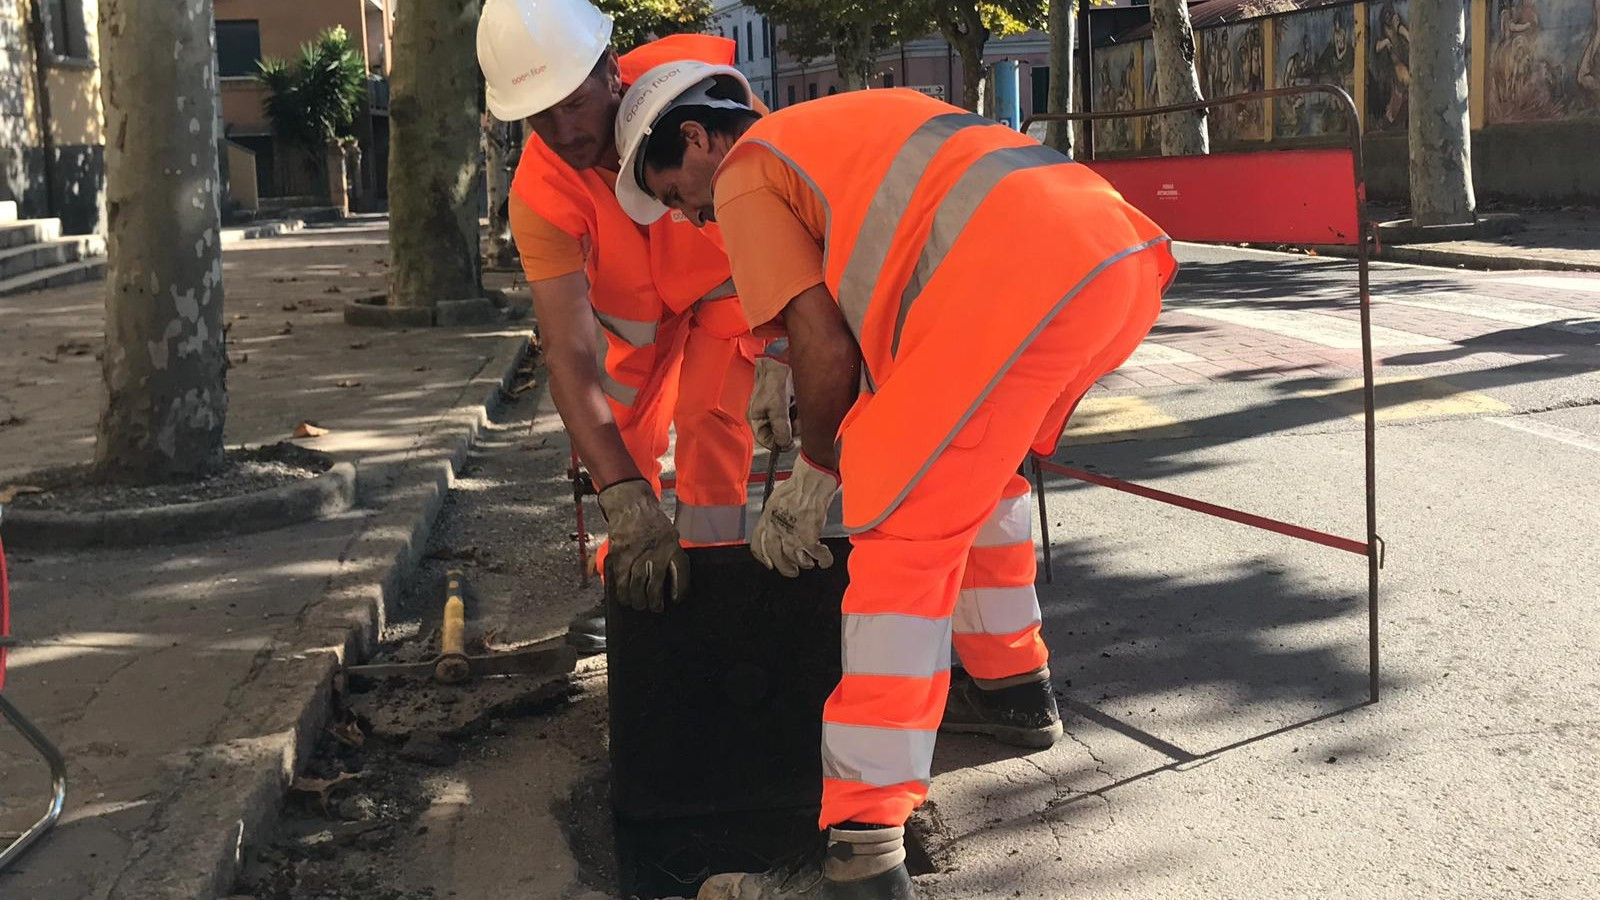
pixel 1333 332
pixel 1496 309
pixel 1153 354
pixel 1569 436
pixel 1588 285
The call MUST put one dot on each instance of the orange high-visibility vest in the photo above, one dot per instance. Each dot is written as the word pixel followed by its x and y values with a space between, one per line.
pixel 951 241
pixel 640 278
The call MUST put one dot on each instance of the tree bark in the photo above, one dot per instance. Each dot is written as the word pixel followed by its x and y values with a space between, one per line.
pixel 1441 149
pixel 852 55
pixel 433 154
pixel 165 364
pixel 1063 35
pixel 968 36
pixel 1182 134
pixel 497 149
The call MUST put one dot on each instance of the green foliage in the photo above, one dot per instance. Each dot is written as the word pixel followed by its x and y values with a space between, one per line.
pixel 853 32
pixel 635 22
pixel 312 101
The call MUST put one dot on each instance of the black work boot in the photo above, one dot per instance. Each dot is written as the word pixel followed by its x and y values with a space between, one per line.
pixel 859 862
pixel 1020 711
pixel 587 630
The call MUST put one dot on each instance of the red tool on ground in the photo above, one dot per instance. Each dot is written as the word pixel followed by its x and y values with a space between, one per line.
pixel 47 750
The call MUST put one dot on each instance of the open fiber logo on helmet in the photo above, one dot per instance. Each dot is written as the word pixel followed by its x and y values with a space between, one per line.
pixel 533 72
pixel 638 97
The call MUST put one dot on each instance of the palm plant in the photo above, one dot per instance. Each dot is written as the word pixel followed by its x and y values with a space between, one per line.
pixel 312 101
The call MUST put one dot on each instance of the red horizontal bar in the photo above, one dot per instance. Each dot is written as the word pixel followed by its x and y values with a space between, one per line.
pixel 1359 548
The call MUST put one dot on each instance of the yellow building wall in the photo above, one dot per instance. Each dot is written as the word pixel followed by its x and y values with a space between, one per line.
pixel 1477 71
pixel 20 84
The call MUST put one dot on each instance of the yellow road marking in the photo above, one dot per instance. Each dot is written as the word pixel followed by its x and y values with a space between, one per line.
pixel 1104 419
pixel 1400 398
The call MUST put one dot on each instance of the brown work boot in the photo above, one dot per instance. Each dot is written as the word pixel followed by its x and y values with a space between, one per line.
pixel 1019 711
pixel 858 862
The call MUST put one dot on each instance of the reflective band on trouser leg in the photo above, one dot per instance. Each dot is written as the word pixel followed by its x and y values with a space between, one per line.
pixel 997 613
pixel 714 446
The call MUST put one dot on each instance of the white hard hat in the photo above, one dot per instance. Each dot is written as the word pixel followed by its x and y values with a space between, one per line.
pixel 658 91
pixel 535 53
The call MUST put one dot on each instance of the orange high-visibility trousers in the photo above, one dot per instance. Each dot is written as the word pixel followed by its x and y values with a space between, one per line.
pixel 703 387
pixel 955 560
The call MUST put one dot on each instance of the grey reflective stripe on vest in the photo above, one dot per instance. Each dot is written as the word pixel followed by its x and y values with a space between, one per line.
pixel 876 756
pixel 876 234
pixel 1010 523
pixel 956 209
pixel 996 610
pixel 611 387
pixel 724 289
pixel 633 332
pixel 891 644
pixel 710 524
pixel 1022 347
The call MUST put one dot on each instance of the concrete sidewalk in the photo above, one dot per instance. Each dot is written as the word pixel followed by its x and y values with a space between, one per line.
pixel 1565 240
pixel 183 683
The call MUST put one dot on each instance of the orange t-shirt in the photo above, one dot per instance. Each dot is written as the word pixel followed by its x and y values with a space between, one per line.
pixel 773 225
pixel 547 251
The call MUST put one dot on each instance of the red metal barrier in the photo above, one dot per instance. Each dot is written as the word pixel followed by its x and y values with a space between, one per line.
pixel 1273 196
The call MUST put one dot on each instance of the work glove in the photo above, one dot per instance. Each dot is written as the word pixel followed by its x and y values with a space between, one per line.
pixel 769 406
pixel 789 535
pixel 645 564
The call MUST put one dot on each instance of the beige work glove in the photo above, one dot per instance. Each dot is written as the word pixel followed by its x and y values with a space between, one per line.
pixel 789 535
pixel 645 564
pixel 769 405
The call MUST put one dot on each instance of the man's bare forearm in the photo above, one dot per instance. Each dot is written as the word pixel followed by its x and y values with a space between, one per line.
pixel 826 361
pixel 567 332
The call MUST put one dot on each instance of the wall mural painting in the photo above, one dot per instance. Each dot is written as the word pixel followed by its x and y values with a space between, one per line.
pixel 1544 60
pixel 1233 61
pixel 1149 127
pixel 1317 47
pixel 1116 86
pixel 1388 65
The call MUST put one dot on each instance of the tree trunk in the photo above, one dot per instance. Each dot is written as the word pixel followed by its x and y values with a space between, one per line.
pixel 852 56
pixel 433 154
pixel 969 46
pixel 1063 34
pixel 1441 152
pixel 1182 134
pixel 165 364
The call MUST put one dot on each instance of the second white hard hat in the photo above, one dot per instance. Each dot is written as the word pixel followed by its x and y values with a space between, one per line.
pixel 535 53
pixel 657 92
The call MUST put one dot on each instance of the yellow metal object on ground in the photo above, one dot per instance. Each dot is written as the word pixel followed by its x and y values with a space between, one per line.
pixel 452 666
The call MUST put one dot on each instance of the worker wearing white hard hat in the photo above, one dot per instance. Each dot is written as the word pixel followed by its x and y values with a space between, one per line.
pixel 653 306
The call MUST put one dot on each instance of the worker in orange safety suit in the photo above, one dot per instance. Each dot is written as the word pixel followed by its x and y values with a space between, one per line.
pixel 949 288
pixel 639 325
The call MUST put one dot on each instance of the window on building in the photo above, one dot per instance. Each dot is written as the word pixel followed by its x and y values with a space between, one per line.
pixel 766 98
pixel 69 29
pixel 238 47
pixel 791 95
pixel 888 79
pixel 766 37
pixel 811 91
pixel 735 43
pixel 750 38
pixel 1041 89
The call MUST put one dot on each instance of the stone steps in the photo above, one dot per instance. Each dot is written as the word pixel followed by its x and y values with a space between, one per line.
pixel 35 255
pixel 55 276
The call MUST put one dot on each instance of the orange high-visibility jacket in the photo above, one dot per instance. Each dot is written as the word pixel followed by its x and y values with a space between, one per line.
pixel 639 277
pixel 952 240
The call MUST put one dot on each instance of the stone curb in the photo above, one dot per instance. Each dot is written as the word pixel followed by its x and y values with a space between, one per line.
pixel 265 229
pixel 443 314
pixel 192 849
pixel 1461 259
pixel 330 493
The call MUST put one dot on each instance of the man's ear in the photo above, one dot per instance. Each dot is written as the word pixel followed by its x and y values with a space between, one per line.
pixel 696 136
pixel 613 72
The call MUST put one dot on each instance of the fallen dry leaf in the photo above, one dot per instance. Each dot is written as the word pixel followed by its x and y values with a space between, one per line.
pixel 12 492
pixel 523 388
pixel 335 289
pixel 288 328
pixel 290 307
pixel 308 430
pixel 322 787
pixel 360 345
pixel 347 383
pixel 11 420
pixel 348 733
pixel 420 369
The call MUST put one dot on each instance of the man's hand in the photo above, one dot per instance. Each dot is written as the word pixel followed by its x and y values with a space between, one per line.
pixel 789 535
pixel 769 406
pixel 644 565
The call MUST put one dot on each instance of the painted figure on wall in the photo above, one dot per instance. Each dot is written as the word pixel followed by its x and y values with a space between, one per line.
pixel 1389 67
pixel 1316 47
pixel 1234 62
pixel 1149 127
pixel 1543 62
pixel 1115 89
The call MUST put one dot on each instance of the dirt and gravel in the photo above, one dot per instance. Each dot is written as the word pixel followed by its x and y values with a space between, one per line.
pixel 244 471
pixel 494 789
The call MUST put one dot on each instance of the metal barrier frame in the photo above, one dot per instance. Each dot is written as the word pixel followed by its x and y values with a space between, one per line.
pixel 47 750
pixel 1373 547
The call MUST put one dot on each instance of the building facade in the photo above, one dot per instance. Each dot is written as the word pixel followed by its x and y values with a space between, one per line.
pixel 755 44
pixel 52 145
pixel 249 31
